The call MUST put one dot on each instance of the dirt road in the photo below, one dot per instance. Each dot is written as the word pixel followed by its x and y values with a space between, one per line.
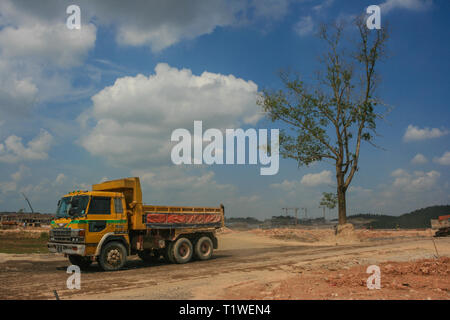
pixel 245 260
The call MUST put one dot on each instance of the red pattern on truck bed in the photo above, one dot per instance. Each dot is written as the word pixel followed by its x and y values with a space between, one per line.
pixel 183 218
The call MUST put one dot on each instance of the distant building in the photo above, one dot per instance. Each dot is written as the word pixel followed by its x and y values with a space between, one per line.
pixel 26 219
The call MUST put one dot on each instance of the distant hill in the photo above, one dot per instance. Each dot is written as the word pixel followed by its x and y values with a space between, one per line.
pixel 417 219
pixel 248 220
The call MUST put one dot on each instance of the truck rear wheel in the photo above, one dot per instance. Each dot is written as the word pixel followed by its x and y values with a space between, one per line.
pixel 82 262
pixel 182 250
pixel 204 248
pixel 168 253
pixel 113 256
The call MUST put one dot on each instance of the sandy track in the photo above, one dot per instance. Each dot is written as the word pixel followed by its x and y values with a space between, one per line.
pixel 244 259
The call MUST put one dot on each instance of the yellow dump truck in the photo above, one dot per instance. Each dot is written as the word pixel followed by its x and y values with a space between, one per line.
pixel 110 223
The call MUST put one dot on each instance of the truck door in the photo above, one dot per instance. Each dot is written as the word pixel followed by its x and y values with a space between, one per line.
pixel 120 222
pixel 100 216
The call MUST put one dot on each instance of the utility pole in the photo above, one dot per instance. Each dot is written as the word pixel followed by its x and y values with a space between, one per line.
pixel 286 210
pixel 306 212
pixel 323 208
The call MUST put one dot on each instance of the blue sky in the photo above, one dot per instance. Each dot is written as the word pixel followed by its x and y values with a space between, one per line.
pixel 81 106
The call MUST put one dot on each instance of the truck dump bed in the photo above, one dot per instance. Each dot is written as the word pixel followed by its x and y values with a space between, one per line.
pixel 161 217
pixel 182 217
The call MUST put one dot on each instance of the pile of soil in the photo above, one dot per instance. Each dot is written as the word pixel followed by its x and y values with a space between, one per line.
pixel 341 234
pixel 400 275
pixel 421 279
pixel 301 235
pixel 346 233
pixel 224 230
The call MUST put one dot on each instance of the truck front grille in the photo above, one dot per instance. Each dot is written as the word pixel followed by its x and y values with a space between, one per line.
pixel 60 234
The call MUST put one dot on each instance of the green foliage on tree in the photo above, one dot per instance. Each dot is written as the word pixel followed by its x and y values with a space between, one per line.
pixel 329 200
pixel 328 119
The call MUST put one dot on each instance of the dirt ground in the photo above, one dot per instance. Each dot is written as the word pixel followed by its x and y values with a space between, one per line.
pixel 257 264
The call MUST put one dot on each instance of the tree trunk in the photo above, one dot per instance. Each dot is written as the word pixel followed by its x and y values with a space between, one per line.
pixel 342 207
pixel 341 199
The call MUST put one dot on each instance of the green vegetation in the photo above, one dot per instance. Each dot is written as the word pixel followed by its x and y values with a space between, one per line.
pixel 20 242
pixel 417 219
pixel 248 220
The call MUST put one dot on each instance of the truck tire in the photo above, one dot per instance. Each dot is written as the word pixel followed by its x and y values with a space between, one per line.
pixel 82 262
pixel 149 256
pixel 204 248
pixel 182 250
pixel 168 253
pixel 113 256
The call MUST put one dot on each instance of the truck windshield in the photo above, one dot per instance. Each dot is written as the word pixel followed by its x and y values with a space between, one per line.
pixel 72 206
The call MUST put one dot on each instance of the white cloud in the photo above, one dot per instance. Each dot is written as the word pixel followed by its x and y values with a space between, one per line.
pixel 13 150
pixel 414 133
pixel 399 173
pixel 184 186
pixel 153 23
pixel 8 186
pixel 308 180
pixel 316 179
pixel 359 190
pixel 304 26
pixel 16 177
pixel 444 160
pixel 415 5
pixel 161 24
pixel 174 177
pixel 417 182
pixel 21 173
pixel 36 50
pixel 17 94
pixel 44 43
pixel 325 4
pixel 60 178
pixel 274 9
pixel 419 159
pixel 134 118
pixel 286 185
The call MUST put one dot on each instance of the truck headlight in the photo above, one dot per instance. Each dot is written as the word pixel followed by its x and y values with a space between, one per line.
pixel 77 233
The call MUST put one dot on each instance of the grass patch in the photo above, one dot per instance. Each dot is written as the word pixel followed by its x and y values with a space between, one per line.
pixel 16 243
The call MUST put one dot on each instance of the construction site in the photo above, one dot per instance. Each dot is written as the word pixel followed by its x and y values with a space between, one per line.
pixel 224 150
pixel 174 253
pixel 273 263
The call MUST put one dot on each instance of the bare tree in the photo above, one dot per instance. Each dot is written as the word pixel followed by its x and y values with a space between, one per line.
pixel 332 117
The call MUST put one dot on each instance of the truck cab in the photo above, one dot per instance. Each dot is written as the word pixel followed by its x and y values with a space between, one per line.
pixel 84 220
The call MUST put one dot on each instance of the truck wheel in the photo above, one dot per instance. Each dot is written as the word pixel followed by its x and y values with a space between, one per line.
pixel 204 248
pixel 113 256
pixel 82 262
pixel 149 255
pixel 182 250
pixel 168 253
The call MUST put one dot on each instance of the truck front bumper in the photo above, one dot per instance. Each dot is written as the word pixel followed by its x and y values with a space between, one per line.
pixel 67 248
